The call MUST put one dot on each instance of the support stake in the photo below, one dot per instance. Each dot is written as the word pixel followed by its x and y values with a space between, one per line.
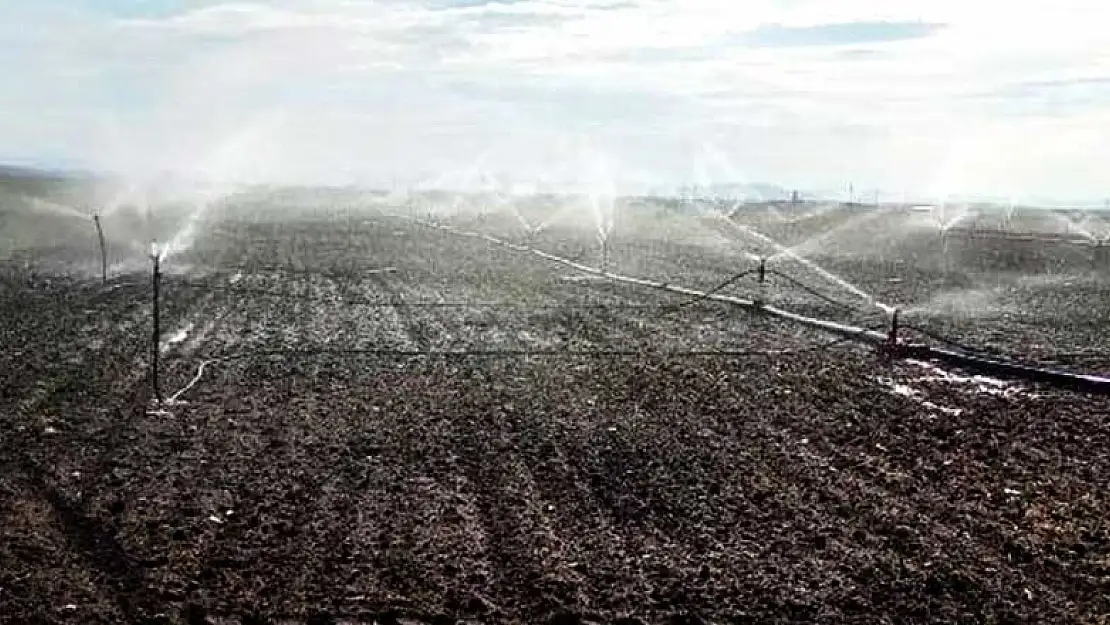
pixel 156 337
pixel 103 250
pixel 761 299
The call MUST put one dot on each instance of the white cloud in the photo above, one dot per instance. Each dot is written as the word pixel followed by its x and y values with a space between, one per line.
pixel 350 89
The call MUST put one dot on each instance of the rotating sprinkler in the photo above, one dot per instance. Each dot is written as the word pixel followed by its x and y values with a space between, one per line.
pixel 960 357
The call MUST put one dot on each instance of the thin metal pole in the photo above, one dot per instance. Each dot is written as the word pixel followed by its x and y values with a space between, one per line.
pixel 103 250
pixel 350 228
pixel 762 297
pixel 156 338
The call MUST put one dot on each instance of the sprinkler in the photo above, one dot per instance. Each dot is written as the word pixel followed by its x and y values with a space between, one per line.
pixel 761 299
pixel 953 357
pixel 103 250
pixel 156 279
pixel 892 348
pixel 1102 254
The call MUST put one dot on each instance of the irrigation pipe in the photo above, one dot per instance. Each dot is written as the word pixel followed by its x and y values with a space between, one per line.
pixel 982 352
pixel 196 378
pixel 556 353
pixel 370 303
pixel 306 271
pixel 1075 381
pixel 815 292
pixel 861 334
pixel 694 300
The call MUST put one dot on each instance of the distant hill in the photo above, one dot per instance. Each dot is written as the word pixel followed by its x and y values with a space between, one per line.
pixel 21 171
pixel 22 187
pixel 53 184
pixel 756 191
pixel 24 172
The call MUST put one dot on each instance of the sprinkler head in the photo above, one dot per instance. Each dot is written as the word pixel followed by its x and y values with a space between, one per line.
pixel 892 347
pixel 1101 254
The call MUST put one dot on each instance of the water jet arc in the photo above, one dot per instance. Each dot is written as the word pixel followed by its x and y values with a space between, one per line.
pixel 1014 371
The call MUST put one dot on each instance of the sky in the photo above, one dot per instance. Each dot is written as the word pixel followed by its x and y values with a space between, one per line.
pixel 923 99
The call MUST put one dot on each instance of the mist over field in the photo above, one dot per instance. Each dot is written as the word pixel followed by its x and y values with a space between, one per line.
pixel 567 312
pixel 924 101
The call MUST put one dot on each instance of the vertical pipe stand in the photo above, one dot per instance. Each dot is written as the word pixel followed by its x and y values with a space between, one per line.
pixel 892 348
pixel 157 334
pixel 761 299
pixel 103 250
pixel 892 336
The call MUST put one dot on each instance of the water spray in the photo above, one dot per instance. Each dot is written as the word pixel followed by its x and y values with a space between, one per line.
pixel 103 250
pixel 782 250
pixel 959 358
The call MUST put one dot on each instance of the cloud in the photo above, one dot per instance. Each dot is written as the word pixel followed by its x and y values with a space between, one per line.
pixel 805 93
pixel 838 34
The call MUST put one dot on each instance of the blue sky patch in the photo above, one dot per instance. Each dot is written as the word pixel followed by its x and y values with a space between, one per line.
pixel 838 34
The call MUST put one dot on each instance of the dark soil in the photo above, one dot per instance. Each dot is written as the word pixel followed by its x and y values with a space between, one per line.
pixel 300 482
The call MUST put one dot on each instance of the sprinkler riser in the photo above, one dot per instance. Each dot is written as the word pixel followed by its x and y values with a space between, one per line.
pixel 1101 255
pixel 103 249
pixel 892 338
pixel 157 331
